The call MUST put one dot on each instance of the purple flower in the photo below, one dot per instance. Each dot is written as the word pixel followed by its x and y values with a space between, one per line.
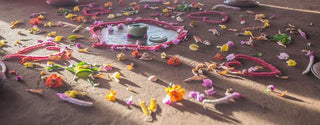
pixel 91 5
pixel 176 41
pixel 252 69
pixel 128 19
pixel 129 101
pixel 230 57
pixel 164 46
pixel 67 48
pixel 110 28
pixel 302 34
pixel 78 45
pixel 50 39
pixel 128 35
pixel 200 97
pixel 230 43
pixel 270 88
pixel 153 49
pixel 243 42
pixel 166 100
pixel 97 22
pixel 193 94
pixel 146 6
pixel 40 41
pixel 19 78
pixel 207 82
pixel 120 26
pixel 113 47
pixel 210 91
pixel 283 56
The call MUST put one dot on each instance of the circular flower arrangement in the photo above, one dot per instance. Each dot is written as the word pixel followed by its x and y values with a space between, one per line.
pixel 101 44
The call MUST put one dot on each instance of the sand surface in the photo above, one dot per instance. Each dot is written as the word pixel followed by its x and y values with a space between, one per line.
pixel 301 106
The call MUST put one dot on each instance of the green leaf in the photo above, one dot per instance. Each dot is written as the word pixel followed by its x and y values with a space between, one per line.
pixel 95 69
pixel 70 68
pixel 83 73
pixel 57 66
pixel 81 64
pixel 48 68
pixel 72 38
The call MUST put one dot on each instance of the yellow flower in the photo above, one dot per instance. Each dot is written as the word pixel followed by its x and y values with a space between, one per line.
pixel 121 56
pixel 248 33
pixel 266 24
pixel 111 95
pixel 115 77
pixel 69 16
pixel 127 13
pixel 50 24
pixel 43 73
pixel 2 43
pixel 41 17
pixel 73 93
pixel 28 64
pixel 266 21
pixel 163 55
pixel 165 10
pixel 51 34
pixel 111 16
pixel 57 38
pixel 224 48
pixel 291 62
pixel 262 16
pixel 167 3
pixel 133 4
pixel 223 26
pixel 130 67
pixel 50 63
pixel 175 92
pixel 76 9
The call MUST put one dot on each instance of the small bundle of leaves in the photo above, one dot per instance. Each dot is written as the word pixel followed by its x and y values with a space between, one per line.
pixel 53 67
pixel 283 38
pixel 184 7
pixel 83 69
pixel 63 11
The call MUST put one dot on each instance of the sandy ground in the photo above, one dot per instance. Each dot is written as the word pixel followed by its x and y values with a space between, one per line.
pixel 301 106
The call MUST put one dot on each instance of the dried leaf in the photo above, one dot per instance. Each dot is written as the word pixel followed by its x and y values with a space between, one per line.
pixel 290 25
pixel 36 91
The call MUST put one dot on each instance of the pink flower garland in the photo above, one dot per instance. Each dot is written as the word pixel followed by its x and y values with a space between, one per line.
pixel 274 70
pixel 20 54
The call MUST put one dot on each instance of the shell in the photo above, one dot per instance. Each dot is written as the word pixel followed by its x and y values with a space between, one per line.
pixel 194 47
pixel 153 78
pixel 145 56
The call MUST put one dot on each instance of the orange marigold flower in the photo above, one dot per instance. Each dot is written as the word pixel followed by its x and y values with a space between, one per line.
pixel 175 92
pixel 136 54
pixel 174 61
pixel 35 21
pixel 218 56
pixel 111 95
pixel 54 81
